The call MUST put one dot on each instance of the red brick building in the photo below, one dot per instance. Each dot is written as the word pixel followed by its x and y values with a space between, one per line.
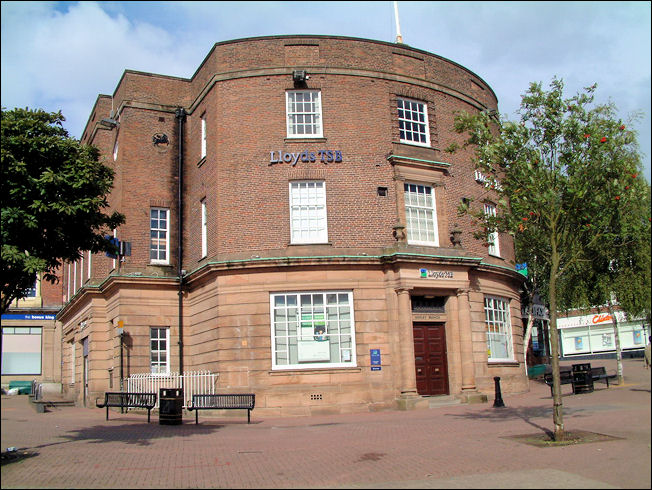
pixel 292 222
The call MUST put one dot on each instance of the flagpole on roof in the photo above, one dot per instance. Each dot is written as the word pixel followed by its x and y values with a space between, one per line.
pixel 399 38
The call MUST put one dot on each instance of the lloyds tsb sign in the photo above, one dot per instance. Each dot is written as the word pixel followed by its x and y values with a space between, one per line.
pixel 324 156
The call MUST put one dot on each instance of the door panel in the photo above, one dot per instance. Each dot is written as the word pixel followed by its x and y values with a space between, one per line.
pixel 430 358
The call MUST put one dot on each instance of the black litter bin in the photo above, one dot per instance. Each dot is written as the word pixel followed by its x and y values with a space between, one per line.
pixel 170 406
pixel 582 379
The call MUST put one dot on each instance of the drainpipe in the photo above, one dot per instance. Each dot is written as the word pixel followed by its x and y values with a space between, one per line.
pixel 180 114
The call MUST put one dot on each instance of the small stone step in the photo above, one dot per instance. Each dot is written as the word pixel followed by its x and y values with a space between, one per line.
pixel 442 400
pixel 60 403
pixel 50 400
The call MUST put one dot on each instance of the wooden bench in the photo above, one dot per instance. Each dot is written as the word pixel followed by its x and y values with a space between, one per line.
pixel 244 401
pixel 123 399
pixel 565 378
pixel 600 374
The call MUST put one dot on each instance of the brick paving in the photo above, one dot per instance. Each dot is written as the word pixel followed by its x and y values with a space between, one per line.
pixel 456 446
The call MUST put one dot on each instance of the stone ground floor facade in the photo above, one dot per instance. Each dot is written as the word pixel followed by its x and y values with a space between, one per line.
pixel 307 335
pixel 31 348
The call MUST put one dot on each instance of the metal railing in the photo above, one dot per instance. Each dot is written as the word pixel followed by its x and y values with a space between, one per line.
pixel 37 390
pixel 193 382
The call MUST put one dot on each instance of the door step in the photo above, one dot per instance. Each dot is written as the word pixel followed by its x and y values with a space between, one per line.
pixel 52 402
pixel 442 401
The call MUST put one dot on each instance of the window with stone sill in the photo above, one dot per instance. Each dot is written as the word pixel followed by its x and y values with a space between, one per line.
pixel 308 221
pixel 312 330
pixel 159 352
pixel 159 236
pixel 499 329
pixel 420 214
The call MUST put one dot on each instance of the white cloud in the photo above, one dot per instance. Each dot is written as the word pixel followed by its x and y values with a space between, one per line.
pixel 63 60
pixel 61 55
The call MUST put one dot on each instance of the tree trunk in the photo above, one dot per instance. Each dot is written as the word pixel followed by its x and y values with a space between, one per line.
pixel 526 337
pixel 557 410
pixel 619 352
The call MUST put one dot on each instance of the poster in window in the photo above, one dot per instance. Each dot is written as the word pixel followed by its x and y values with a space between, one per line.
pixel 578 343
pixel 606 340
pixel 313 327
pixel 535 340
pixel 313 351
pixel 314 344
pixel 638 337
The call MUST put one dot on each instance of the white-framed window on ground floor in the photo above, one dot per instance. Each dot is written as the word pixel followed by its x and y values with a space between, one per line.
pixel 159 352
pixel 72 362
pixel 499 329
pixel 312 329
pixel 21 350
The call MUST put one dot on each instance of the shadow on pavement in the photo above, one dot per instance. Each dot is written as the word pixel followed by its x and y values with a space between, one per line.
pixel 638 389
pixel 526 414
pixel 136 434
pixel 9 457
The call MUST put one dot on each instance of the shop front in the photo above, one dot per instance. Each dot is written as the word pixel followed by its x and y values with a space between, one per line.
pixel 594 334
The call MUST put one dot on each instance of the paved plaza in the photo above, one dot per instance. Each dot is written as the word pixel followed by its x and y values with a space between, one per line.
pixel 453 446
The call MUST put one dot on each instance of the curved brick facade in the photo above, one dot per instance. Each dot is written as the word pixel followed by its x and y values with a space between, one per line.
pixel 365 228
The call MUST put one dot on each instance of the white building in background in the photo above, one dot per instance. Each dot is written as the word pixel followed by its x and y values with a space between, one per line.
pixel 594 334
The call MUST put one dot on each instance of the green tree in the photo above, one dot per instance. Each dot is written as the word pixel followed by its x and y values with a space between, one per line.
pixel 554 172
pixel 53 192
pixel 617 269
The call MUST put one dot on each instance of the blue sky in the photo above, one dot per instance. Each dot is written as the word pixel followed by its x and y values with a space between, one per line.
pixel 61 55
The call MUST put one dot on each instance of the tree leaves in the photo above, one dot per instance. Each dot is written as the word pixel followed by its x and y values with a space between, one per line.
pixel 53 193
pixel 575 166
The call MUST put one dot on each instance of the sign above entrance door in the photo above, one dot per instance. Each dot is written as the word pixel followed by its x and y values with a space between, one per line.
pixel 435 274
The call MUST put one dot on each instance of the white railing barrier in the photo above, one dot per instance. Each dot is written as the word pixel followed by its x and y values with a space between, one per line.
pixel 194 382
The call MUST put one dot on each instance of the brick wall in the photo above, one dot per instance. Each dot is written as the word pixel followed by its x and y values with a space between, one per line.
pixel 240 89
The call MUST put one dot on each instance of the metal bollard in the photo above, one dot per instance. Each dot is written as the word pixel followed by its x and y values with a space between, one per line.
pixel 498 402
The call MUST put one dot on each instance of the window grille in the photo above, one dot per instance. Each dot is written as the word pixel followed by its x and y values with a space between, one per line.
pixel 421 304
pixel 312 329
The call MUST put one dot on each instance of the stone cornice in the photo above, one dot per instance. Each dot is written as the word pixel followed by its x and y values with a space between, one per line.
pixel 108 285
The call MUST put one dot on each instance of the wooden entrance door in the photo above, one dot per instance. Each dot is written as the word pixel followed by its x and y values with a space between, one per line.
pixel 430 358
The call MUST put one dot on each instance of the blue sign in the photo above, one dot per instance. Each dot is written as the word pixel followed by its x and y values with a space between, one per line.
pixel 522 268
pixel 375 359
pixel 115 242
pixel 17 316
pixel 324 156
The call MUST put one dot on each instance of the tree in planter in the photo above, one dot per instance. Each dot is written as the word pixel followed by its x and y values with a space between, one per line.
pixel 553 171
pixel 53 192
